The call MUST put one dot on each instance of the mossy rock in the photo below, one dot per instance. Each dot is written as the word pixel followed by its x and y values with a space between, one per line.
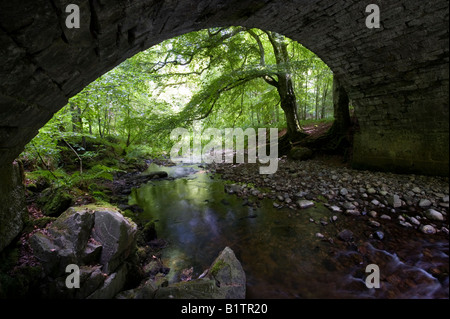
pixel 55 201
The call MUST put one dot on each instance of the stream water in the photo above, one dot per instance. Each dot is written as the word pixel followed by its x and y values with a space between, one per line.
pixel 279 249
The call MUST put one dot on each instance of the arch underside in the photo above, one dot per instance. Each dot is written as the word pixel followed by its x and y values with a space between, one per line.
pixel 397 76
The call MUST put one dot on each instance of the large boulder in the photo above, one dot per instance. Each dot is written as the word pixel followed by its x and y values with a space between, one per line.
pixel 225 279
pixel 89 236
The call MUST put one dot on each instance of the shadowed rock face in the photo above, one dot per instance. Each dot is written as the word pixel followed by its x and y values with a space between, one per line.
pixel 12 204
pixel 397 76
pixel 96 239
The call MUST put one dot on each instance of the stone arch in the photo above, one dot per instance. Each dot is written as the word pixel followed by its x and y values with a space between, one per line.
pixel 397 75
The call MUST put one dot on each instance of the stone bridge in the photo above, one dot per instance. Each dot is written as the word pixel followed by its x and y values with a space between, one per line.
pixel 396 75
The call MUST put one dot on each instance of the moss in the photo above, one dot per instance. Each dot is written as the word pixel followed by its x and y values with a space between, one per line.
pixel 217 267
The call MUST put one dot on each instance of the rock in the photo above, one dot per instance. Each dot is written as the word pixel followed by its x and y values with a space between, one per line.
pixel 225 280
pixel 345 235
pixel 417 190
pixel 232 188
pixel 405 224
pixel 373 214
pixel 424 203
pixel 445 199
pixel 394 201
pixel 300 153
pixel 344 192
pixel 414 221
pixel 348 205
pixel 434 215
pixel 54 201
pixel 12 203
pixel 303 204
pixel 353 212
pixel 384 216
pixel 336 209
pixel 371 191
pixel 384 193
pixel 428 229
pixel 117 235
pixel 83 236
pixel 113 284
pixel 319 235
pixel 444 230
pixel 379 235
pixel 374 223
pixel 375 202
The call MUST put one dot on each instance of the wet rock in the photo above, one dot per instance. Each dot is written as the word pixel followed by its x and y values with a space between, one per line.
pixel 434 215
pixel 346 235
pixel 303 204
pixel 428 229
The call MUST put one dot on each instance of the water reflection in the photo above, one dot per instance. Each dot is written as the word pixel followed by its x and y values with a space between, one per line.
pixel 280 254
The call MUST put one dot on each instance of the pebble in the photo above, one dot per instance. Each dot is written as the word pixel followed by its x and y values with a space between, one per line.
pixel 445 199
pixel 417 190
pixel 405 224
pixel 303 204
pixel 395 201
pixel 434 215
pixel 374 223
pixel 348 205
pixel 345 235
pixel 375 202
pixel 319 235
pixel 428 229
pixel 371 190
pixel 344 192
pixel 384 193
pixel 414 221
pixel 373 214
pixel 353 212
pixel 334 218
pixel 424 203
pixel 379 235
pixel 336 209
pixel 385 217
pixel 445 230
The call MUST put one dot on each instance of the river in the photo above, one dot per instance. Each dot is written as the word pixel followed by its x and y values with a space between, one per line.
pixel 278 248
